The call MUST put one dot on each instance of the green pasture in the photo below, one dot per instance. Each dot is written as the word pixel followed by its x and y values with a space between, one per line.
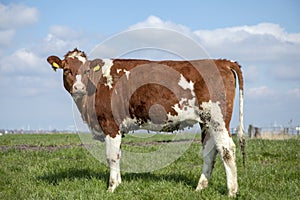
pixel 58 166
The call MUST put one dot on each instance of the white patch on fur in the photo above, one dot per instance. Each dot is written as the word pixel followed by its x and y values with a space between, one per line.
pixel 79 56
pixel 215 111
pixel 126 73
pixel 108 63
pixel 78 83
pixel 216 125
pixel 186 111
pixel 186 85
pixel 78 78
pixel 78 88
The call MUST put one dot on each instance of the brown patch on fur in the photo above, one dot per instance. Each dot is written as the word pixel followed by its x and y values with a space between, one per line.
pixel 226 155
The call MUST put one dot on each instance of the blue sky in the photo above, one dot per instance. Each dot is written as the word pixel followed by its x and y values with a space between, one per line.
pixel 264 36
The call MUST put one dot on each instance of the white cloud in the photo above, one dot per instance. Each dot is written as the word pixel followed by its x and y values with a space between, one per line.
pixel 155 22
pixel 62 39
pixel 267 29
pixel 153 38
pixel 13 16
pixel 22 61
pixel 243 33
pixel 64 32
pixel 52 43
pixel 27 74
pixel 261 42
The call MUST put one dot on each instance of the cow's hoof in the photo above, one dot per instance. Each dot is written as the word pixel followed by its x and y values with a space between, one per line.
pixel 232 194
pixel 203 183
pixel 110 189
pixel 113 186
pixel 202 186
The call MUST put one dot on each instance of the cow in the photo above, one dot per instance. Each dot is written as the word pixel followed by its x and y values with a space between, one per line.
pixel 115 96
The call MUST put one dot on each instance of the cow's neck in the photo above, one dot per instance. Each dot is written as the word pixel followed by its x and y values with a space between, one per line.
pixel 86 104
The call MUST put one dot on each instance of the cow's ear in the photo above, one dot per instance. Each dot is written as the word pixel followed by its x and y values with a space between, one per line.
pixel 96 64
pixel 55 62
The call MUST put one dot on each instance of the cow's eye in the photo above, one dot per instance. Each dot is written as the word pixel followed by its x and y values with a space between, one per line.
pixel 67 72
pixel 87 71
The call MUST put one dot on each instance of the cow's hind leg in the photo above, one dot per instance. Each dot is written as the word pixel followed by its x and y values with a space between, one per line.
pixel 209 153
pixel 212 115
pixel 113 155
pixel 226 148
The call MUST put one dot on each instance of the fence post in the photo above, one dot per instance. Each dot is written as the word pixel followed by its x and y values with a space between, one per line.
pixel 257 132
pixel 251 131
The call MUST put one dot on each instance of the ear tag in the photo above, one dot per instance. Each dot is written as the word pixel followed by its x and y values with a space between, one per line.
pixel 96 68
pixel 54 64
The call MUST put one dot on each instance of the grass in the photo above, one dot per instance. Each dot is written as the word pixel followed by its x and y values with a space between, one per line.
pixel 68 171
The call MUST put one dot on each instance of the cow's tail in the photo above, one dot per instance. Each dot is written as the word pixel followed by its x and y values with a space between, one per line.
pixel 240 132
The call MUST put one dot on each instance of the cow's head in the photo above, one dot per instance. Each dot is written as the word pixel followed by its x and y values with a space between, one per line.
pixel 71 64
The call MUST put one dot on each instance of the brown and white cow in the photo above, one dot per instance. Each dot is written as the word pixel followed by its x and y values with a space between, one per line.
pixel 115 96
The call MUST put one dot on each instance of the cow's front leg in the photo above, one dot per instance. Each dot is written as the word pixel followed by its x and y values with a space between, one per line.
pixel 113 155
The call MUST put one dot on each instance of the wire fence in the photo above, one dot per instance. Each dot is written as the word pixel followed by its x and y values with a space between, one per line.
pixel 256 132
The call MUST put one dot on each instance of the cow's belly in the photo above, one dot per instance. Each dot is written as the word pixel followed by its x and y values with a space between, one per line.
pixel 130 124
pixel 157 119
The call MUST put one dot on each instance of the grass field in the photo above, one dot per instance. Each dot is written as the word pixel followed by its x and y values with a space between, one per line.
pixel 59 167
